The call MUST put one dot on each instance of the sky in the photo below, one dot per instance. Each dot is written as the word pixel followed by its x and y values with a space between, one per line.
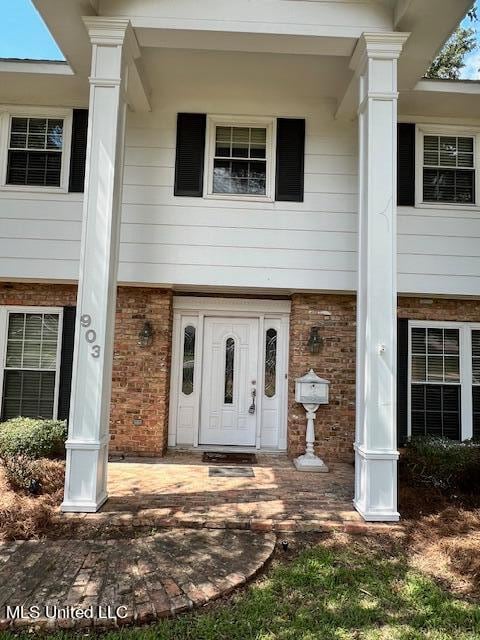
pixel 23 34
pixel 472 62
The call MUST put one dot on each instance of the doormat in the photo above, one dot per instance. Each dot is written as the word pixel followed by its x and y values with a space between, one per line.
pixel 229 458
pixel 231 472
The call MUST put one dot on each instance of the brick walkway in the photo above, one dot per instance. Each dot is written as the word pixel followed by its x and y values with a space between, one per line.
pixel 178 491
pixel 151 577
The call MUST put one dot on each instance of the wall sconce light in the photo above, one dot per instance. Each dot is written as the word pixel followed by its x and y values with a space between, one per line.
pixel 145 336
pixel 315 342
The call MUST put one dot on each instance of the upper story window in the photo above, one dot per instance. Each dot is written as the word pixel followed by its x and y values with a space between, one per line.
pixel 36 151
pixel 240 160
pixel 240 157
pixel 447 162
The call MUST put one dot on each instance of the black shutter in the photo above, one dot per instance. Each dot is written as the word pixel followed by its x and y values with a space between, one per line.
pixel 78 153
pixel 66 362
pixel 290 159
pixel 402 381
pixel 406 164
pixel 190 154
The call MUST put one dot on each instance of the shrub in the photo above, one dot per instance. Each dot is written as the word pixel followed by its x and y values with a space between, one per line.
pixel 41 476
pixel 442 463
pixel 32 438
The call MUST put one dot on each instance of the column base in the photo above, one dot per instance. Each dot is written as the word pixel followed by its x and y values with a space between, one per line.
pixel 310 463
pixel 376 484
pixel 83 507
pixel 85 476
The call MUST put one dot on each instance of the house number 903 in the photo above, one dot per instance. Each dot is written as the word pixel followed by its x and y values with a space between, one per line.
pixel 90 335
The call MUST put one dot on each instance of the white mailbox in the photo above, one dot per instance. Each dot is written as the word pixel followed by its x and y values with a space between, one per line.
pixel 310 389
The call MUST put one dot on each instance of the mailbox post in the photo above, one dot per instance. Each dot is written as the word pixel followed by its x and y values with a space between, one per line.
pixel 311 391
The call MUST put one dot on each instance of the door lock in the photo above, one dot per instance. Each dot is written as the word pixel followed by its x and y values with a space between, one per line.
pixel 251 408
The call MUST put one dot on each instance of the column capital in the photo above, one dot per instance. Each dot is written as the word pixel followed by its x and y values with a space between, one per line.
pixel 112 32
pixel 379 46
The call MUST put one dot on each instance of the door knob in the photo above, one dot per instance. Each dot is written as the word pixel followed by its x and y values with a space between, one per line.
pixel 251 408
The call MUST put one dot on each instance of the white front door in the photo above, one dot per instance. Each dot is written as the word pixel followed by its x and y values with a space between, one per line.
pixel 230 351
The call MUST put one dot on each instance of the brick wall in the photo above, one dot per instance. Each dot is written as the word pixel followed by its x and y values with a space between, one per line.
pixel 335 422
pixel 439 309
pixel 140 375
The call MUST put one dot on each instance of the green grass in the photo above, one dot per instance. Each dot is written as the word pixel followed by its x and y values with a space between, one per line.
pixel 347 593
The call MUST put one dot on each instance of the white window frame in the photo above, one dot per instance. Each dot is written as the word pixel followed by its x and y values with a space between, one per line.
pixel 466 377
pixel 5 312
pixel 423 130
pixel 240 121
pixel 6 115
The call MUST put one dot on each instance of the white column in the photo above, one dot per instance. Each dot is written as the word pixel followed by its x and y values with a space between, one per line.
pixel 113 43
pixel 376 455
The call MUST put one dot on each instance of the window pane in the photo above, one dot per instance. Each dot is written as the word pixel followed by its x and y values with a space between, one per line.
pixel 28 393
pixel 476 356
pixel 436 410
pixel 419 340
pixel 476 413
pixel 465 145
pixel 19 125
pixel 451 341
pixel 18 141
pixel 37 125
pixel 449 185
pixel 270 363
pixel 435 341
pixel 452 369
pixel 16 325
pixel 55 134
pixel 223 141
pixel 188 360
pixel 435 369
pixel 240 142
pixel 419 368
pixel 229 369
pixel 258 143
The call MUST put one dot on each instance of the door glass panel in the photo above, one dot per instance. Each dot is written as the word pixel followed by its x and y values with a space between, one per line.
pixel 188 360
pixel 270 362
pixel 229 367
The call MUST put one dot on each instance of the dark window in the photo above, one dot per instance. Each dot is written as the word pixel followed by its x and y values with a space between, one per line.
pixel 270 362
pixel 30 365
pixel 476 382
pixel 188 360
pixel 35 152
pixel 229 370
pixel 435 377
pixel 239 164
pixel 448 169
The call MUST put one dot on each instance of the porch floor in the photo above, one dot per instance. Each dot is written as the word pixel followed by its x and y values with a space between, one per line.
pixel 177 490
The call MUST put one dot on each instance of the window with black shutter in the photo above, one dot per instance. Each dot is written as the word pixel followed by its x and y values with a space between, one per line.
pixel 253 158
pixel 444 380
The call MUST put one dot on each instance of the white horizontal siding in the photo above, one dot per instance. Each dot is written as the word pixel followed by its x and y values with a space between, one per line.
pixel 439 250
